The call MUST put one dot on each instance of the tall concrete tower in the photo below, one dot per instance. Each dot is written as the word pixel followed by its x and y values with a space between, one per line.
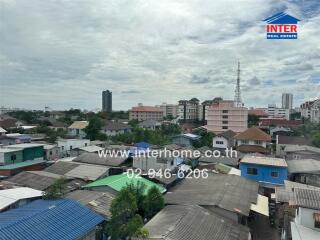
pixel 107 101
pixel 237 95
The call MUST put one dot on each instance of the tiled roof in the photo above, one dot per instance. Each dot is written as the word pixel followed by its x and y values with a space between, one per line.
pixel 253 133
pixel 114 125
pixel 267 161
pixel 79 124
pixel 117 182
pixel 229 192
pixel 146 109
pixel 193 223
pixel 307 198
pixel 50 220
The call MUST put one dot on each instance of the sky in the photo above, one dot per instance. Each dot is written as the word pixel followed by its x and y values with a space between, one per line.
pixel 64 53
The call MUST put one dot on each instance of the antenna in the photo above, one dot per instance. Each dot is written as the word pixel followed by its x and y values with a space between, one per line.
pixel 237 95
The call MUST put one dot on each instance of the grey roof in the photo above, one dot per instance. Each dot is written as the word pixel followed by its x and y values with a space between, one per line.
pixel 88 172
pixel 113 125
pixel 176 222
pixel 100 202
pixel 304 166
pixel 229 192
pixel 93 158
pixel 149 123
pixel 228 134
pixel 293 140
pixel 61 167
pixel 307 198
pixel 41 180
pixel 222 159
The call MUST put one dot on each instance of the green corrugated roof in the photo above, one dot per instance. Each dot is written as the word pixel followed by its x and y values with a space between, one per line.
pixel 117 182
pixel 20 164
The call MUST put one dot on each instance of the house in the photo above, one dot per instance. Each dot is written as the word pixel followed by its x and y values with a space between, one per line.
pixel 10 156
pixel 2 131
pixel 67 145
pixel 279 122
pixel 193 222
pixel 115 183
pixel 113 128
pixel 5 140
pixel 42 180
pixel 51 152
pixel 107 160
pixel 142 113
pixel 30 151
pixel 253 140
pixel 17 197
pixel 283 141
pixel 224 140
pixel 100 202
pixel 267 171
pixel 311 110
pixel 58 126
pixel 186 139
pixel 14 168
pixel 20 138
pixel 305 171
pixel 296 152
pixel 229 196
pixel 280 131
pixel 49 219
pixel 150 124
pixel 76 129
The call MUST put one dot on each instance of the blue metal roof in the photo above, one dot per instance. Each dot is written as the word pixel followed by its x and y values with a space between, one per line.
pixel 142 145
pixel 63 219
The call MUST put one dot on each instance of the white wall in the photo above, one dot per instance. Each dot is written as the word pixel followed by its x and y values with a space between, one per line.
pixel 305 217
pixel 224 141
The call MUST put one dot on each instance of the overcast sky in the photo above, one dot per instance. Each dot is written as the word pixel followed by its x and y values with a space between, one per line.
pixel 62 54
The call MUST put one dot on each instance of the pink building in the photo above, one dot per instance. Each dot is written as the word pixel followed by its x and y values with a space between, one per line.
pixel 224 116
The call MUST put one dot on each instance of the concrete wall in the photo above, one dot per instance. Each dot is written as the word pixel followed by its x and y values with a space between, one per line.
pixel 224 142
pixel 305 217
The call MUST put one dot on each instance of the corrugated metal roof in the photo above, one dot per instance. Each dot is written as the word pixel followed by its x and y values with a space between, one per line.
pixel 304 166
pixel 92 149
pixel 93 158
pixel 50 220
pixel 269 161
pixel 88 172
pixel 10 196
pixel 79 124
pixel 117 182
pixel 21 164
pixel 307 198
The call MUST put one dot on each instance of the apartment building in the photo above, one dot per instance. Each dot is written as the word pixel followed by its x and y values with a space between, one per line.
pixel 311 110
pixel 275 112
pixel 189 110
pixel 142 113
pixel 224 115
pixel 287 99
pixel 169 110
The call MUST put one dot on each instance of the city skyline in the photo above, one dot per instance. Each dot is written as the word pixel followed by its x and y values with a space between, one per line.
pixel 63 55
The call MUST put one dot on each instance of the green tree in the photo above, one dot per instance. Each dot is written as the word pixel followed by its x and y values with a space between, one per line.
pixel 56 190
pixel 154 202
pixel 205 140
pixel 253 120
pixel 125 222
pixel 93 128
pixel 316 139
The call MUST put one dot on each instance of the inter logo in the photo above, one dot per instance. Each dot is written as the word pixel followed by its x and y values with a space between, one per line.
pixel 282 26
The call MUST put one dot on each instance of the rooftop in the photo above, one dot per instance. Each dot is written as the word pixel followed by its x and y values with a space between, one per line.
pixel 79 124
pixel 25 145
pixel 91 149
pixel 93 158
pixel 267 161
pixel 117 182
pixel 308 198
pixel 253 133
pixel 88 172
pixel 293 140
pixel 227 134
pixel 229 192
pixel 304 166
pixel 51 220
pixel 115 125
pixel 21 164
pixel 145 109
pixel 193 223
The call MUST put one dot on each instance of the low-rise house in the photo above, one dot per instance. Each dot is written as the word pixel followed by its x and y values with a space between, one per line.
pixel 193 222
pixel 76 129
pixel 115 183
pixel 20 138
pixel 30 151
pixel 87 149
pixel 50 219
pixel 2 131
pixel 67 145
pixel 294 152
pixel 253 140
pixel 5 140
pixel 58 126
pixel 14 168
pixel 10 156
pixel 294 141
pixel 230 161
pixel 278 122
pixel 224 140
pixel 113 128
pixel 93 158
pixel 100 202
pixel 150 124
pixel 186 139
pixel 305 171
pixel 17 197
pixel 51 152
pixel 267 171
pixel 229 196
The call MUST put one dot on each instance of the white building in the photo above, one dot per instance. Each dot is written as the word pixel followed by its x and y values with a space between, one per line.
pixel 169 110
pixel 67 145
pixel 287 100
pixel 274 112
pixel 311 110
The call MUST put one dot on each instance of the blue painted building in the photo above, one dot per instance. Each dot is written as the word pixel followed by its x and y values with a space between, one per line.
pixel 50 220
pixel 187 139
pixel 265 170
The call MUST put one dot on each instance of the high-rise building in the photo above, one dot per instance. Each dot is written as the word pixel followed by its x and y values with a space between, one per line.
pixel 275 112
pixel 169 109
pixel 188 110
pixel 287 99
pixel 106 101
pixel 142 113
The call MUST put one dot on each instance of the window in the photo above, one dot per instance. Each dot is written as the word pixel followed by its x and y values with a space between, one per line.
pixel 274 174
pixel 50 153
pixel 316 217
pixel 224 127
pixel 219 142
pixel 244 141
pixel 225 111
pixel 13 157
pixel 86 144
pixel 70 147
pixel 258 142
pixel 224 122
pixel 252 171
pixel 225 116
